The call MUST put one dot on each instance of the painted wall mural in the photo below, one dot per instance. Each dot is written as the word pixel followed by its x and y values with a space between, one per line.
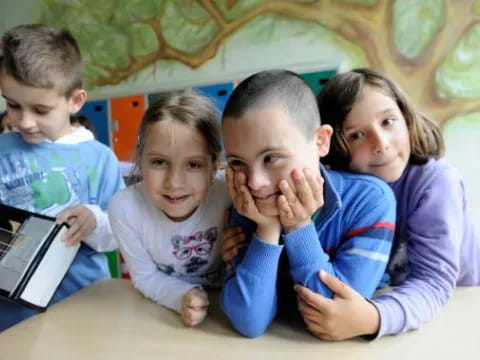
pixel 431 47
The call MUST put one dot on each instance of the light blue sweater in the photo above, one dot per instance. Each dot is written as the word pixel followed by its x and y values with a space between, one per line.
pixel 48 178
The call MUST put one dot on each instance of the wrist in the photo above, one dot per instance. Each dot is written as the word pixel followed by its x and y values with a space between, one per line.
pixel 290 228
pixel 371 323
pixel 269 233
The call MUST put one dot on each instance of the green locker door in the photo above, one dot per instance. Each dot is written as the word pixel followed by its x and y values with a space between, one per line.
pixel 317 79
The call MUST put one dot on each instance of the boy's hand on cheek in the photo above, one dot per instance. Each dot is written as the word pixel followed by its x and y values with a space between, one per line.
pixel 268 227
pixel 82 223
pixel 300 200
pixel 242 198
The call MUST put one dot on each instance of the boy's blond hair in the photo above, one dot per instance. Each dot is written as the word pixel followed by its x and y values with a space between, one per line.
pixel 42 56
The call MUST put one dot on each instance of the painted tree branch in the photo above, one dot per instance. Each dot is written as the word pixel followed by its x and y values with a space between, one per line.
pixel 367 26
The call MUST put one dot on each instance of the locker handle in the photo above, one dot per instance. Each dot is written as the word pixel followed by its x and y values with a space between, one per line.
pixel 115 125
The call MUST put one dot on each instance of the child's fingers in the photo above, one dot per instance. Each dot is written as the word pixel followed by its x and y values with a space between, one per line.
pixel 232 240
pixel 191 317
pixel 288 193
pixel 309 314
pixel 73 235
pixel 304 192
pixel 313 299
pixel 229 255
pixel 225 220
pixel 286 214
pixel 247 206
pixel 316 186
pixel 65 215
pixel 232 190
pixel 196 298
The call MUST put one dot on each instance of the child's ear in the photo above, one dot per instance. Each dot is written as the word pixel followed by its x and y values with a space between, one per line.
pixel 323 135
pixel 77 99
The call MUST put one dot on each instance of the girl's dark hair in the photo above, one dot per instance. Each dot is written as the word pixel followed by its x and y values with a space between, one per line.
pixel 340 93
pixel 186 108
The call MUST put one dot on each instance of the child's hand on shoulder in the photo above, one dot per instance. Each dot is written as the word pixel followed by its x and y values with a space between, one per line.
pixel 231 240
pixel 300 200
pixel 81 221
pixel 194 307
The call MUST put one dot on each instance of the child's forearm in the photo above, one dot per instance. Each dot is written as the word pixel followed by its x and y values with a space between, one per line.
pixel 249 294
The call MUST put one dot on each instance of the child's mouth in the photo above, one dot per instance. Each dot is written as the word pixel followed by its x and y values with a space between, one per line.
pixel 175 199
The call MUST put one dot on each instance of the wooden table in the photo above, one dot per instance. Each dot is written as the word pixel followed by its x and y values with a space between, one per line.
pixel 111 320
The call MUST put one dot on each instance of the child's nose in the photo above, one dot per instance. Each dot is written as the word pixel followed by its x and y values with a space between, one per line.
pixel 381 143
pixel 25 121
pixel 174 178
pixel 257 179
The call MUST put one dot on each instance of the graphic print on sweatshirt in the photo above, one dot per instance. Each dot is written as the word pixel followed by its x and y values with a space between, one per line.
pixel 45 185
pixel 193 251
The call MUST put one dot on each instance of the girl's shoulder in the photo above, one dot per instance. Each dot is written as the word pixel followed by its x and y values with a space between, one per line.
pixel 434 177
pixel 433 171
pixel 129 197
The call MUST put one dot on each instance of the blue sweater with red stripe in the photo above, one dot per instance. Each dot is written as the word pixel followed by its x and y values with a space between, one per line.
pixel 349 237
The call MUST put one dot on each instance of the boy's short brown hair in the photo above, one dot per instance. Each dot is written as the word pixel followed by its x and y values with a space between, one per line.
pixel 42 56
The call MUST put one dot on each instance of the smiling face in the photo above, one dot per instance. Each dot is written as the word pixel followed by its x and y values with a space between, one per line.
pixel 266 146
pixel 39 113
pixel 176 167
pixel 377 135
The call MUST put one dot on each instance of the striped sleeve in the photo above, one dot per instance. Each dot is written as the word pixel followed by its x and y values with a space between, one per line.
pixel 356 254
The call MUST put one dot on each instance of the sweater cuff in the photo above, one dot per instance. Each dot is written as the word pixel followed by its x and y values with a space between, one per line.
pixel 301 249
pixel 387 310
pixel 175 298
pixel 262 258
pixel 101 239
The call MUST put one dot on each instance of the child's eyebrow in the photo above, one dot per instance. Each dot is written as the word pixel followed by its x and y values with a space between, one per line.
pixel 260 153
pixel 7 98
pixel 387 111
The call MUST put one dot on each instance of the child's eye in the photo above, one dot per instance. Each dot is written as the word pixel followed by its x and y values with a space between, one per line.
pixel 195 165
pixel 236 165
pixel 355 136
pixel 388 122
pixel 271 159
pixel 13 106
pixel 41 111
pixel 158 162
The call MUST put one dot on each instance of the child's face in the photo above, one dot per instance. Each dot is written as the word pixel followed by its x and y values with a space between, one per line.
pixel 176 167
pixel 377 136
pixel 266 146
pixel 39 113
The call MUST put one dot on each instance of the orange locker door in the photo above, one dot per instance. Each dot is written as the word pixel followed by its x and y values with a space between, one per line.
pixel 125 116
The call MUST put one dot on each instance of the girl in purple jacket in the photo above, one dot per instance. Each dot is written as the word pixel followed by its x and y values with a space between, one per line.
pixel 378 131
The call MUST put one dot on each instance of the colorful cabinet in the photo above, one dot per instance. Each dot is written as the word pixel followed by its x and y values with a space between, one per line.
pixel 219 93
pixel 97 112
pixel 126 115
pixel 317 79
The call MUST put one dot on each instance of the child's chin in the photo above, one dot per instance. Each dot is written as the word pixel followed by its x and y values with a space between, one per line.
pixel 33 139
pixel 269 211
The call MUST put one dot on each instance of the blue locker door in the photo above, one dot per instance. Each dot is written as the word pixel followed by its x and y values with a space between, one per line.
pixel 97 113
pixel 219 93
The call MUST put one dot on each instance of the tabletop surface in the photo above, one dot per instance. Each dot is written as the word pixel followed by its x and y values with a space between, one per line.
pixel 111 320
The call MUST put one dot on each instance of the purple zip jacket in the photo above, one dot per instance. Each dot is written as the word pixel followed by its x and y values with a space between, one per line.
pixel 435 247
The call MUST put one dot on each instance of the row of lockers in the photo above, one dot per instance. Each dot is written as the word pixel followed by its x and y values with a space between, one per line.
pixel 116 123
pixel 116 120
